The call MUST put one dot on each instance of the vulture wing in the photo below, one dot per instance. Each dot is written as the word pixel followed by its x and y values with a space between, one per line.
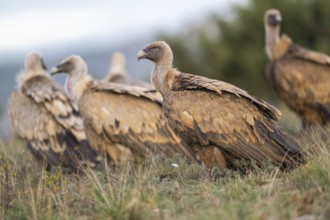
pixel 123 79
pixel 309 55
pixel 130 116
pixel 225 116
pixel 50 123
pixel 193 82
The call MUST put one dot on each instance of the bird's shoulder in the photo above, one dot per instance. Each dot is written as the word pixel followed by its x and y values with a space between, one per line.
pixel 106 88
pixel 198 84
pixel 48 95
pixel 300 52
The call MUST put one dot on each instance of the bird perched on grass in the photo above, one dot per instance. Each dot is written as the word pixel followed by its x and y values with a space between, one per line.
pixel 47 120
pixel 221 122
pixel 118 74
pixel 300 77
pixel 122 122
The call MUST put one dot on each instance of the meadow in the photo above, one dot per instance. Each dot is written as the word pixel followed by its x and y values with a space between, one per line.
pixel 154 189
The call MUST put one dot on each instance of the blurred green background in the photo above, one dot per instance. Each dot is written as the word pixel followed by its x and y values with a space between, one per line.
pixel 232 48
pixel 218 39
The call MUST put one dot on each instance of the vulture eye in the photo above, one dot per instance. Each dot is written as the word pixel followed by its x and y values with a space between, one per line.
pixel 154 49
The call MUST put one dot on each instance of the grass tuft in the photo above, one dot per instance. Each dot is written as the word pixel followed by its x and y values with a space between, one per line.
pixel 155 189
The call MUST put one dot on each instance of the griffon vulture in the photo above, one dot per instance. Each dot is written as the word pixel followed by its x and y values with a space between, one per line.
pixel 122 122
pixel 300 77
pixel 118 74
pixel 221 122
pixel 47 120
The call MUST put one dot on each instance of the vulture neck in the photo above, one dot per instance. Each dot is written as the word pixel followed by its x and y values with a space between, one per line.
pixel 114 72
pixel 76 84
pixel 272 42
pixel 160 75
pixel 117 69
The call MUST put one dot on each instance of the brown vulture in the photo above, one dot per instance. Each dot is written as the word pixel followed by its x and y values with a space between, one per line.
pixel 47 120
pixel 121 121
pixel 221 122
pixel 118 74
pixel 300 77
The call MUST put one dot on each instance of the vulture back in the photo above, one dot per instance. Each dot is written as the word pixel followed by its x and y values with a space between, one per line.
pixel 131 117
pixel 49 122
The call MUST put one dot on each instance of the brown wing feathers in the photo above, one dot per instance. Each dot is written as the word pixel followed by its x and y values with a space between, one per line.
pixel 133 118
pixel 121 121
pixel 189 81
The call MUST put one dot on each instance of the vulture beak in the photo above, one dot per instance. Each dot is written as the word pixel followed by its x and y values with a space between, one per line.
pixel 278 18
pixel 274 20
pixel 142 54
pixel 55 70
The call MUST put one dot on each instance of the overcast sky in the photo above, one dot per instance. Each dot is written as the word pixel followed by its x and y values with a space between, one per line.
pixel 29 25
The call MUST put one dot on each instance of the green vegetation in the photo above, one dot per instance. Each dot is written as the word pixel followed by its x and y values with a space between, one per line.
pixel 155 190
pixel 232 48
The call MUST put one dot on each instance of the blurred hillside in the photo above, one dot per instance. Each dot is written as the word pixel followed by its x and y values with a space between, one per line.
pixel 232 48
pixel 226 45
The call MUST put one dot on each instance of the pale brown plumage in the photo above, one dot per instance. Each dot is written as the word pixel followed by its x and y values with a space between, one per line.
pixel 122 122
pixel 47 120
pixel 300 77
pixel 221 122
pixel 118 74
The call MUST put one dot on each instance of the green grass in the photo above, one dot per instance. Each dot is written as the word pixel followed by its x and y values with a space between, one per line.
pixel 153 189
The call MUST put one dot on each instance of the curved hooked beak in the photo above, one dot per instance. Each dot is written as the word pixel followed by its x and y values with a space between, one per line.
pixel 142 54
pixel 56 70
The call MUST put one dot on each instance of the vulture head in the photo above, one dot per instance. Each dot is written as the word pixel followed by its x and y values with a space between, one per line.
pixel 73 66
pixel 76 69
pixel 34 61
pixel 272 18
pixel 272 22
pixel 33 65
pixel 159 52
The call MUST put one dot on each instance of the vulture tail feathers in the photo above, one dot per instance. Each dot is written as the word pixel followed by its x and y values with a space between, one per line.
pixel 48 156
pixel 77 152
pixel 38 156
pixel 282 144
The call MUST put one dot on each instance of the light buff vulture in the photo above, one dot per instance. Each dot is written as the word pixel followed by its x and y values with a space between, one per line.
pixel 221 122
pixel 300 77
pixel 122 122
pixel 47 120
pixel 118 74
